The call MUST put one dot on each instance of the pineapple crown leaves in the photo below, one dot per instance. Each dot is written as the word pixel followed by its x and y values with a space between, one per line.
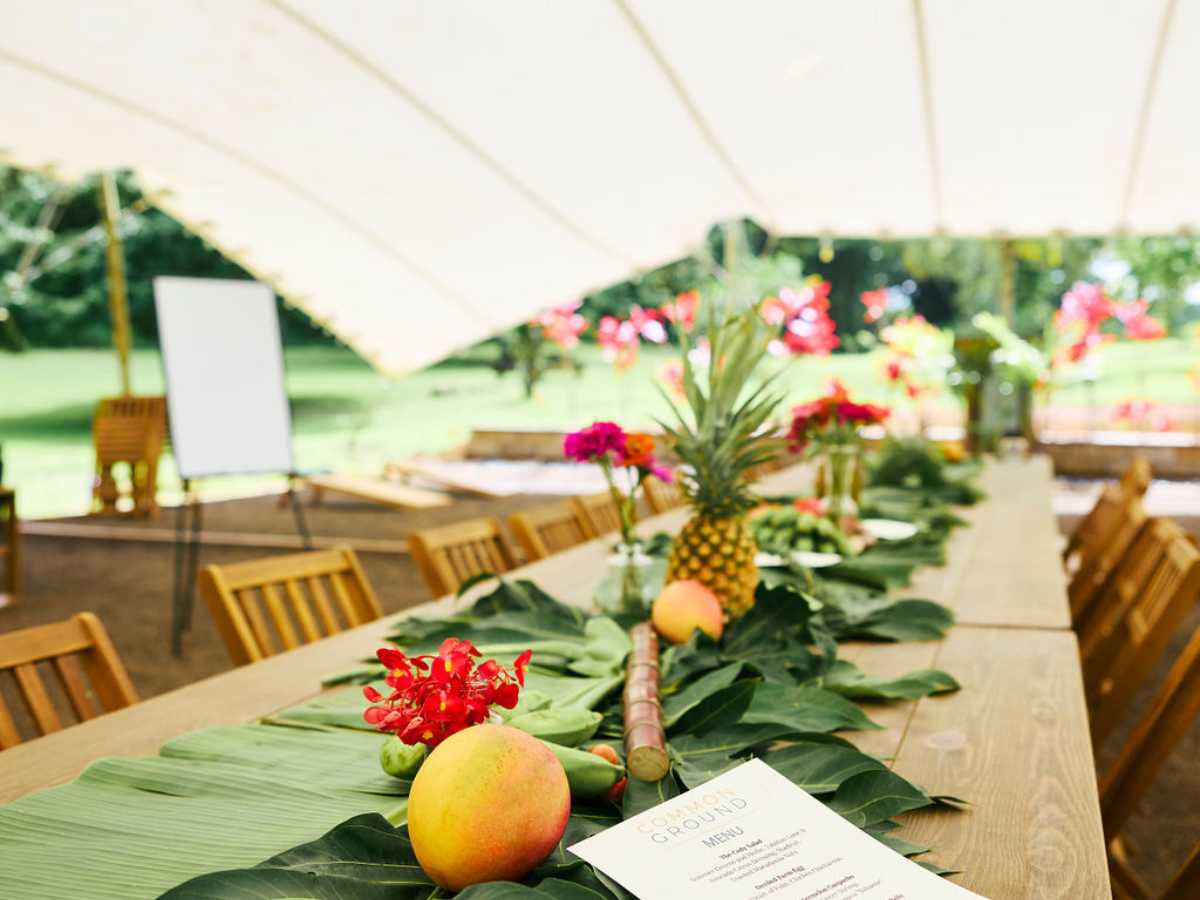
pixel 722 441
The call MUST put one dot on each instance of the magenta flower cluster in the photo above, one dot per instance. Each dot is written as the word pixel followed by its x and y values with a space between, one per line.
pixel 595 442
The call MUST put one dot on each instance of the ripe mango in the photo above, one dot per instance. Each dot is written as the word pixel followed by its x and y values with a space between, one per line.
pixel 489 804
pixel 684 606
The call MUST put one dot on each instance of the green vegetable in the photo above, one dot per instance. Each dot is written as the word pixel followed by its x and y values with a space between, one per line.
pixel 401 760
pixel 569 726
pixel 588 774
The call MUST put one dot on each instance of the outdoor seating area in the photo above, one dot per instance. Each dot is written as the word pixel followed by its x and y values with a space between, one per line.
pixel 619 449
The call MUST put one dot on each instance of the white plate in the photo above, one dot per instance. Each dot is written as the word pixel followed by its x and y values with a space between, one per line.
pixel 816 560
pixel 888 529
pixel 810 560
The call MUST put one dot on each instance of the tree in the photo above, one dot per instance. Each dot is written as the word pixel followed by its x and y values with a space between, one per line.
pixel 60 299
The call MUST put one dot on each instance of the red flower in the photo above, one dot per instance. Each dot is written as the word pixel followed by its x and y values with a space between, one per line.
pixel 521 664
pixel 448 693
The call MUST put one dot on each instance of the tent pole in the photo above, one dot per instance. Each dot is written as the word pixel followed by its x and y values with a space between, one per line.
pixel 118 297
pixel 1008 278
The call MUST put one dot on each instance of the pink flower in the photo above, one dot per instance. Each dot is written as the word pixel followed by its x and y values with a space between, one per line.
pixel 562 324
pixel 1139 325
pixel 670 374
pixel 662 473
pixel 1084 303
pixel 875 303
pixel 646 322
pixel 596 441
pixel 619 338
pixel 682 312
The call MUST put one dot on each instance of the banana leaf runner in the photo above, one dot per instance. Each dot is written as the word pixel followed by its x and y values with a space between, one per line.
pixel 222 806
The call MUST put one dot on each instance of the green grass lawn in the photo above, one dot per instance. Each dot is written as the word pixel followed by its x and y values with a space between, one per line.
pixel 350 418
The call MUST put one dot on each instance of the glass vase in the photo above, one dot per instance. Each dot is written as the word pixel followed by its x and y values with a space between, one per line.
pixel 840 464
pixel 629 567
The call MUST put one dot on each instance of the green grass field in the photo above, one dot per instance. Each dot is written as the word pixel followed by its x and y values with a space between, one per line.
pixel 348 417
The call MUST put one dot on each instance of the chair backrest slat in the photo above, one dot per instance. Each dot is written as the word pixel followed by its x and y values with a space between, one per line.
pixel 324 609
pixel 1183 886
pixel 1094 528
pixel 233 594
pixel 302 611
pixel 1174 709
pixel 78 692
pixel 249 600
pixel 1135 481
pixel 9 736
pixel 279 617
pixel 72 654
pixel 37 701
pixel 449 555
pixel 662 496
pixel 1122 522
pixel 345 603
pixel 597 514
pixel 547 529
pixel 1123 645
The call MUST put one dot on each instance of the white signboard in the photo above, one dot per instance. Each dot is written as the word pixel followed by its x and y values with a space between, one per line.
pixel 751 834
pixel 224 372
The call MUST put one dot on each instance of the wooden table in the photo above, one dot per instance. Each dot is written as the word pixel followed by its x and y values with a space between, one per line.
pixel 1014 741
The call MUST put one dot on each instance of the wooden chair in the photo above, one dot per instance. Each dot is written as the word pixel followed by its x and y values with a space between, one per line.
pixel 1125 783
pixel 130 430
pixel 546 530
pixel 1095 528
pixel 241 597
pixel 1155 587
pixel 597 514
pixel 89 674
pixel 1095 570
pixel 1135 481
pixel 662 496
pixel 10 546
pixel 449 555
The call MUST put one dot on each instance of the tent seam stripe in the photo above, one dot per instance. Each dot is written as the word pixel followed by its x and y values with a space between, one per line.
pixel 932 142
pixel 458 135
pixel 249 162
pixel 1143 123
pixel 693 111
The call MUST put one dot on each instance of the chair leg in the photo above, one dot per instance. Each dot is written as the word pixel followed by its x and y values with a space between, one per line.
pixel 1126 883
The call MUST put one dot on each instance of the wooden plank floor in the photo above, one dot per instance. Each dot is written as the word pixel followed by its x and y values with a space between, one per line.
pixel 1014 741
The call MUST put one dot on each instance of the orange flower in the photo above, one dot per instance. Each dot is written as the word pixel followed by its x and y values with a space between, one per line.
pixel 639 450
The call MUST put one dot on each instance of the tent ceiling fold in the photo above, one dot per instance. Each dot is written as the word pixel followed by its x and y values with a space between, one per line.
pixel 418 175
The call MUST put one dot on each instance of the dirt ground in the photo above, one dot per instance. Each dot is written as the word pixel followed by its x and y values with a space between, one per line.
pixel 128 585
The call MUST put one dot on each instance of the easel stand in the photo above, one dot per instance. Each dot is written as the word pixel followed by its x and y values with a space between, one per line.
pixel 189 516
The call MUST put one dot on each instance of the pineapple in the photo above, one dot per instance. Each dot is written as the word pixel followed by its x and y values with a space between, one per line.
pixel 717 444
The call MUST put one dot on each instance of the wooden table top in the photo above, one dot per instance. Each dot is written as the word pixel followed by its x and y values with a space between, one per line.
pixel 1014 741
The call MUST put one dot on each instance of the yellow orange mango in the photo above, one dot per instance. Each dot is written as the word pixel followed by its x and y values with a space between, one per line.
pixel 489 804
pixel 684 606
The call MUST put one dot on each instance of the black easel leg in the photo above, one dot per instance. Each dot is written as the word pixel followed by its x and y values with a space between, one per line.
pixel 187 554
pixel 177 591
pixel 193 564
pixel 298 514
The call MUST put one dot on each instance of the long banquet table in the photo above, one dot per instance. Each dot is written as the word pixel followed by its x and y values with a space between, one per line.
pixel 1013 741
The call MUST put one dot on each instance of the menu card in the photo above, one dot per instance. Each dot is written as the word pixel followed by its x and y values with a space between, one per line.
pixel 751 834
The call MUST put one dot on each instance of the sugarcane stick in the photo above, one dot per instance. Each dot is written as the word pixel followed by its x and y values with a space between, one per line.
pixel 645 741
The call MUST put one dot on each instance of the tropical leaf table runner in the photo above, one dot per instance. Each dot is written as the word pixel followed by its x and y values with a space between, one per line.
pixel 296 805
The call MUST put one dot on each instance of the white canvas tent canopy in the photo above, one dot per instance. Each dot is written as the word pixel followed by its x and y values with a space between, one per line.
pixel 417 174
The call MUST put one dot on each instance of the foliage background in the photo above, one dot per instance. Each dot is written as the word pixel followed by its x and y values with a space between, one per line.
pixel 945 280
